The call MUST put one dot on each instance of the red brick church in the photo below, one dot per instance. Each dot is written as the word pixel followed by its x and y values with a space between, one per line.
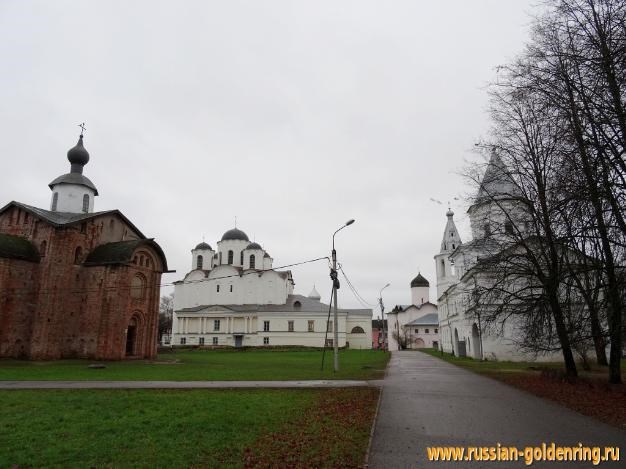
pixel 74 282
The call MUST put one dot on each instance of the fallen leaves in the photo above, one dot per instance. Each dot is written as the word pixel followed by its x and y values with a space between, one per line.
pixel 333 432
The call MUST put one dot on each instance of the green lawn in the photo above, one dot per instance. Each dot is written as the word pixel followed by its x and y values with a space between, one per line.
pixel 162 428
pixel 493 366
pixel 197 365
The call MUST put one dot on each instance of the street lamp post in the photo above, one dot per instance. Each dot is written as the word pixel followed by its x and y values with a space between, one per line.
pixel 382 313
pixel 333 276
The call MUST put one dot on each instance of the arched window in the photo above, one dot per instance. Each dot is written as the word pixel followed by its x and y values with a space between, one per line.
pixel 241 259
pixel 199 261
pixel 78 254
pixel 55 201
pixel 138 287
pixel 42 248
pixel 231 256
pixel 86 203
pixel 25 218
pixel 357 330
pixel 252 262
pixel 443 268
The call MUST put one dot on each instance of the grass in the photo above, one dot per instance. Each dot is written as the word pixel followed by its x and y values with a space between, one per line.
pixel 175 428
pixel 491 366
pixel 590 394
pixel 200 365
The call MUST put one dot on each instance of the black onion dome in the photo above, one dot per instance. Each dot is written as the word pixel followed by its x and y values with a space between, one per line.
pixel 235 234
pixel 254 246
pixel 203 245
pixel 78 155
pixel 419 281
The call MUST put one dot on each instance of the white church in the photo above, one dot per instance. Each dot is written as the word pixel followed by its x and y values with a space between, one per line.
pixel 459 323
pixel 416 325
pixel 233 297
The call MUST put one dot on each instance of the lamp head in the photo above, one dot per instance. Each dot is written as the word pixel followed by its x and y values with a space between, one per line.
pixel 349 222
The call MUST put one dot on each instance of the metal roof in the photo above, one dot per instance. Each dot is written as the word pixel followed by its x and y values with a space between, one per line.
pixel 431 319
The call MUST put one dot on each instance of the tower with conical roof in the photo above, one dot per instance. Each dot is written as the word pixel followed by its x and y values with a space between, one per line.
pixel 446 276
pixel 73 192
pixel 498 210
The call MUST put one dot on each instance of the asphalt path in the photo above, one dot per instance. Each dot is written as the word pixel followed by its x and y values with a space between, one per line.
pixel 428 402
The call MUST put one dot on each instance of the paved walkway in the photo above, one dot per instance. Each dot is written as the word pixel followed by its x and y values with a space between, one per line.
pixel 428 402
pixel 185 384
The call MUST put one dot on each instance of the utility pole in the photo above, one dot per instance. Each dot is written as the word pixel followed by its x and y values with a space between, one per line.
pixel 335 279
pixel 382 315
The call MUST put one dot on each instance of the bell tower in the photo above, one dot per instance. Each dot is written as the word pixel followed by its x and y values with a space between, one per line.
pixel 446 275
pixel 73 192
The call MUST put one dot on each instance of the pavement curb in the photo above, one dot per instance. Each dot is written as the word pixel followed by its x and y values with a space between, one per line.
pixel 380 398
pixel 369 443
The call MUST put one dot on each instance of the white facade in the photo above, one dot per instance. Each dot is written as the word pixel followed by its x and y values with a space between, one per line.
pixel 415 325
pixel 72 198
pixel 459 325
pixel 233 297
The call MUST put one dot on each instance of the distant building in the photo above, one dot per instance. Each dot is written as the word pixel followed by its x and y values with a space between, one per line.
pixel 74 282
pixel 416 325
pixel 379 334
pixel 233 297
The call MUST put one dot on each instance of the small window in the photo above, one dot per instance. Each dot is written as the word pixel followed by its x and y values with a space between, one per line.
pixel 252 262
pixel 311 326
pixel 426 331
pixel 241 258
pixel 55 201
pixel 453 246
pixel 201 341
pixel 452 234
pixel 266 340
pixel 25 218
pixel 42 249
pixel 183 340
pixel 297 304
pixel 266 326
pixel 231 256
pixel 329 342
pixel 357 330
pixel 83 227
pixel 216 325
pixel 86 203
pixel 436 331
pixel 231 288
pixel 417 331
pixel 215 341
pixel 78 254
pixel 199 262
pixel 290 326
pixel 218 287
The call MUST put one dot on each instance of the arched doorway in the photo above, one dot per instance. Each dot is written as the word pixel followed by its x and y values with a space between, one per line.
pixel 476 343
pixel 419 343
pixel 133 336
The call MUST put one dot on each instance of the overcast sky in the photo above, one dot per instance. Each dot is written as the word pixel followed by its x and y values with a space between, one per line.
pixel 293 116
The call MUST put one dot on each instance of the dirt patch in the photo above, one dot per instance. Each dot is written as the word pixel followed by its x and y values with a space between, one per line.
pixel 333 432
pixel 589 396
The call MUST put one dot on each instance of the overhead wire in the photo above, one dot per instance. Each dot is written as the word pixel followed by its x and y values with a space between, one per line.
pixel 24 290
